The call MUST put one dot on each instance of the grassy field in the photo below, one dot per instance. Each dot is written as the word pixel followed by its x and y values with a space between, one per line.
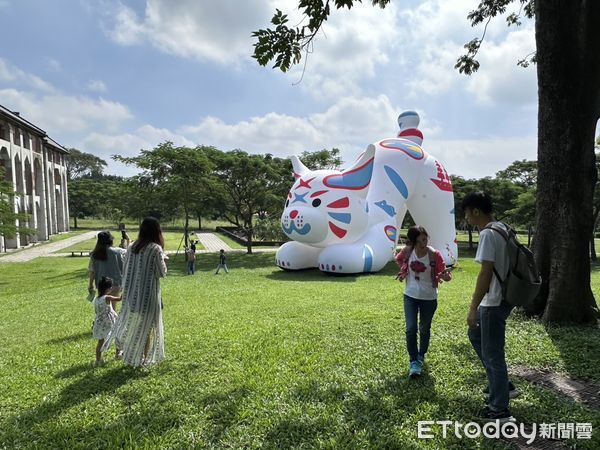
pixel 261 358
pixel 130 225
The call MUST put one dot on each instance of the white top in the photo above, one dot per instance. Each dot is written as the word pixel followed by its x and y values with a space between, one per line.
pixel 418 281
pixel 105 317
pixel 492 248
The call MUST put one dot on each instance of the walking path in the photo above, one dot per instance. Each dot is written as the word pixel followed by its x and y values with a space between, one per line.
pixel 45 250
pixel 212 243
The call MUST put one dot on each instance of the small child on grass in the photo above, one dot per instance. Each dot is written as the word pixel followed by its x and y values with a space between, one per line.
pixel 105 317
pixel 222 263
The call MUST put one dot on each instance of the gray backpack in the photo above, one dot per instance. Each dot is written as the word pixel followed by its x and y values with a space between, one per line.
pixel 523 280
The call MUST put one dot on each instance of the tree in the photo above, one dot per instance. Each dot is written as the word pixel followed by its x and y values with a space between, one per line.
pixel 80 164
pixel 596 207
pixel 568 70
pixel 171 175
pixel 84 198
pixel 250 186
pixel 521 172
pixel 322 159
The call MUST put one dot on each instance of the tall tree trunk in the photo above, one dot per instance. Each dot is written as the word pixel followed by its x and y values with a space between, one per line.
pixel 593 255
pixel 470 230
pixel 248 227
pixel 75 222
pixel 568 68
pixel 199 222
pixel 186 228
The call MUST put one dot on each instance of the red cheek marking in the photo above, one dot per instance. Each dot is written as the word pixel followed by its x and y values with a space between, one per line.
pixel 341 203
pixel 339 232
pixel 316 194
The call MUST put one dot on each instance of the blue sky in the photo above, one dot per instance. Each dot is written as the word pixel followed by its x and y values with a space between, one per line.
pixel 112 77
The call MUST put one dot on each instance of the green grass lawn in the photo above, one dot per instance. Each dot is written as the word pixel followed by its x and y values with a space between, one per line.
pixel 262 358
pixel 172 242
pixel 100 224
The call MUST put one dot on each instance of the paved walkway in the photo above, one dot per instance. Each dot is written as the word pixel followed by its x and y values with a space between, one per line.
pixel 212 243
pixel 45 250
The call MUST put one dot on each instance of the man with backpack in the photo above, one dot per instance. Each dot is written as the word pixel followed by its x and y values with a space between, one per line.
pixel 489 310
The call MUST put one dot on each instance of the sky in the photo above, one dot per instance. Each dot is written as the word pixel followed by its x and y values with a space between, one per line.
pixel 115 77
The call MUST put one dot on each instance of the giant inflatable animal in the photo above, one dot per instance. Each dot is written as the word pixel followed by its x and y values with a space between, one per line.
pixel 347 222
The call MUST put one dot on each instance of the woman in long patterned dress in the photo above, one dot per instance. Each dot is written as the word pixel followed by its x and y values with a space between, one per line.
pixel 139 327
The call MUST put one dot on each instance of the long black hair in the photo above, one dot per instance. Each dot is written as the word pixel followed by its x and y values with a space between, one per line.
pixel 104 242
pixel 104 286
pixel 149 232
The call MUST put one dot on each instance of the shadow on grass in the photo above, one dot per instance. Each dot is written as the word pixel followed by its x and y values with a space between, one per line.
pixel 578 347
pixel 68 277
pixel 71 338
pixel 91 385
pixel 207 263
pixel 222 409
pixel 369 417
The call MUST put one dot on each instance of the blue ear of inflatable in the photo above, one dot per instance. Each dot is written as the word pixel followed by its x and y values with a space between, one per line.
pixel 354 179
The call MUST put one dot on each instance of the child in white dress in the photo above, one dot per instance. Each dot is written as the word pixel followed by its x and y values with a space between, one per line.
pixel 106 317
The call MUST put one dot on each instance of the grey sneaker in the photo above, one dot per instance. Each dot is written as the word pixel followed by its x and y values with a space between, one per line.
pixel 415 368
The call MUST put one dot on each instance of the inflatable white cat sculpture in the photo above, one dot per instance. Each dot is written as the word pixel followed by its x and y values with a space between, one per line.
pixel 348 222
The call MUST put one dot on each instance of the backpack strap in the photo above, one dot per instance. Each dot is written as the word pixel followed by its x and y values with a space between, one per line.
pixel 504 234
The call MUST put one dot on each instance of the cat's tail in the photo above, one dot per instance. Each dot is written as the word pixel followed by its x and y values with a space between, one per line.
pixel 409 122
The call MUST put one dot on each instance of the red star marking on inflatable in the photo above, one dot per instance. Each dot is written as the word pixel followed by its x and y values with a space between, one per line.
pixel 305 184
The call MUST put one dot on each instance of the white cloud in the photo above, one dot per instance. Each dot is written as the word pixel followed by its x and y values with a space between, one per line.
pixel 478 158
pixel 351 47
pixel 500 80
pixel 438 30
pixel 54 65
pixel 145 137
pixel 64 114
pixel 350 124
pixel 11 75
pixel 215 31
pixel 96 86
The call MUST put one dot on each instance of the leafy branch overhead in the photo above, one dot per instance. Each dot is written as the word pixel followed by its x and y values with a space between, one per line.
pixel 485 12
pixel 285 44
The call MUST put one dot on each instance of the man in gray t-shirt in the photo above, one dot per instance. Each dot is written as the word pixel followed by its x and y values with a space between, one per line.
pixel 492 248
pixel 488 313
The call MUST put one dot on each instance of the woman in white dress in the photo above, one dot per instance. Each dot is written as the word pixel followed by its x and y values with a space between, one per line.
pixel 139 327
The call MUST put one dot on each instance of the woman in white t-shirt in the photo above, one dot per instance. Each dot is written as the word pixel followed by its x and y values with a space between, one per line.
pixel 423 268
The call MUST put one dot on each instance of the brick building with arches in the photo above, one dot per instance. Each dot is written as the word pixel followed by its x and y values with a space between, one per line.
pixel 35 165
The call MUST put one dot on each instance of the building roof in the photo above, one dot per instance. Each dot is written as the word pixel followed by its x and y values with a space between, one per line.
pixel 52 143
pixel 16 117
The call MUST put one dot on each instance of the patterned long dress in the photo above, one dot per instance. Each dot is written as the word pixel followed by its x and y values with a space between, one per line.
pixel 139 328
